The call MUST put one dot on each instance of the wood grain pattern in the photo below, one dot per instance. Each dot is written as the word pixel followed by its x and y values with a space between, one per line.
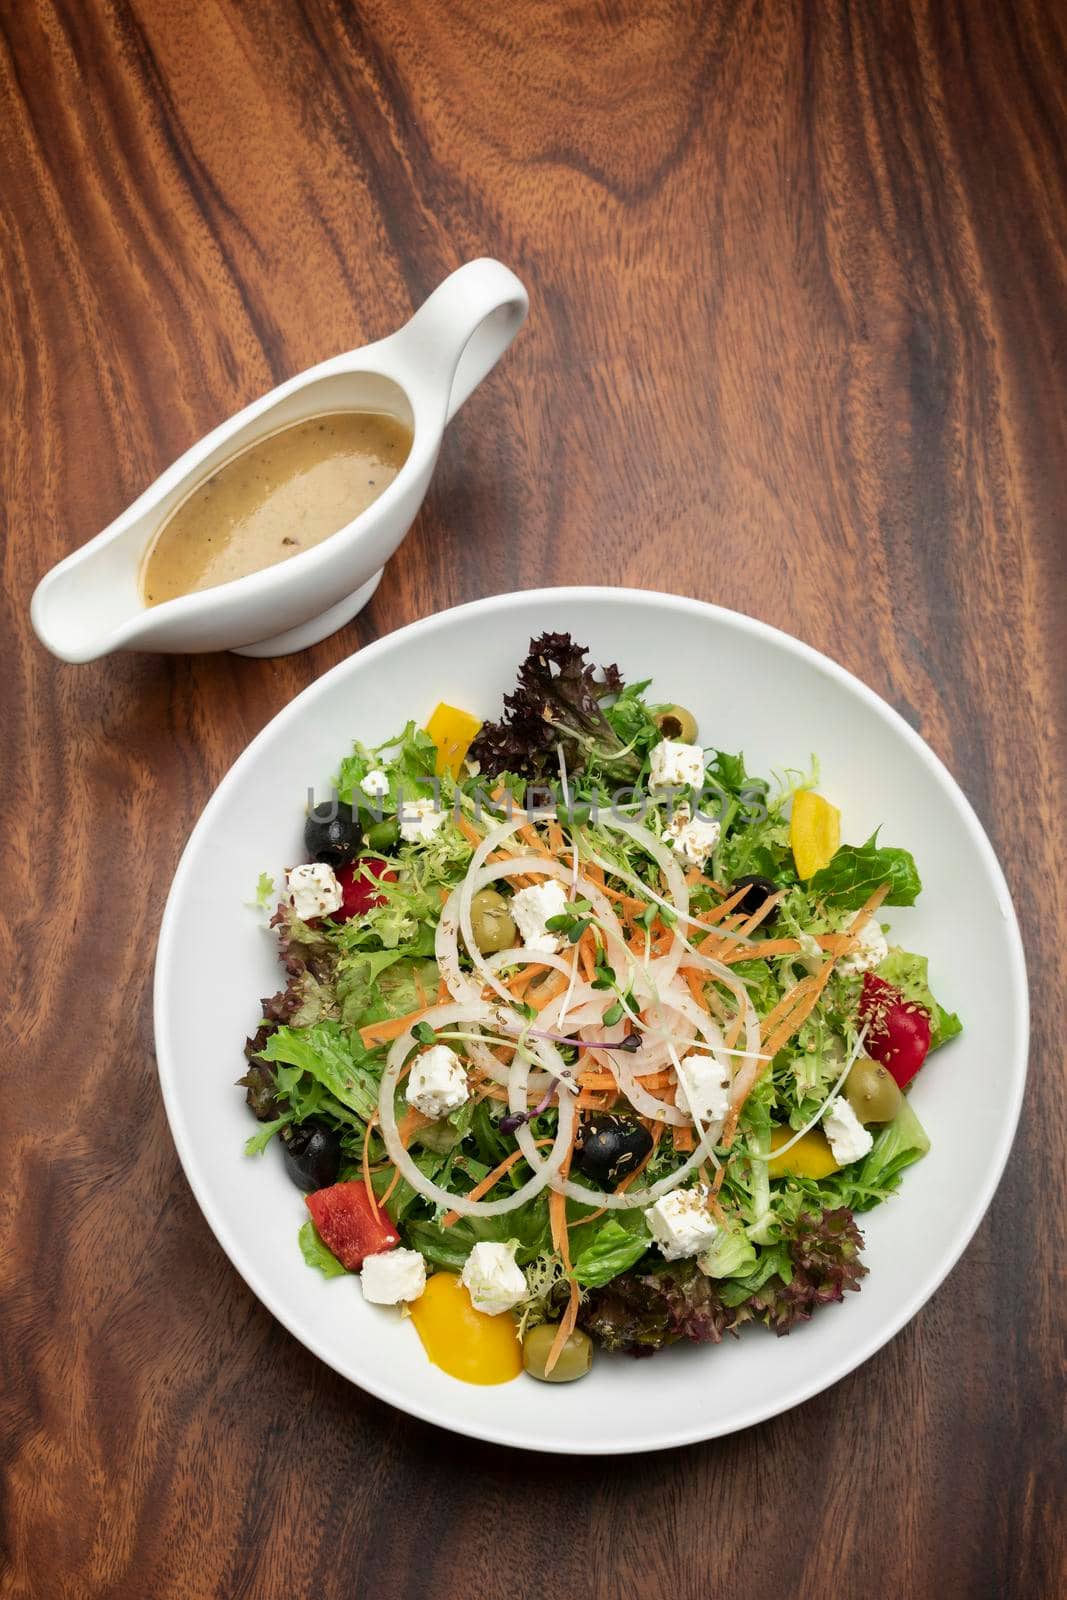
pixel 799 278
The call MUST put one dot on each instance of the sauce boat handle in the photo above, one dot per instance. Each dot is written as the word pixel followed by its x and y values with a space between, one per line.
pixel 461 330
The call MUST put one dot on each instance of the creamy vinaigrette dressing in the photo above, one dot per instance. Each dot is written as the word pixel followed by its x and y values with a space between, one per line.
pixel 273 500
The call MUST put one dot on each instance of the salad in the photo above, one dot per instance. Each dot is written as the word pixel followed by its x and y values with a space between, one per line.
pixel 588 1037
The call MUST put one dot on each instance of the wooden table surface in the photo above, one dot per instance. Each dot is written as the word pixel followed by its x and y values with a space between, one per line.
pixel 797 344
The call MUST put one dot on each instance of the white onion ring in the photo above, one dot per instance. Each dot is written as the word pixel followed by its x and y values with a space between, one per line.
pixel 654 987
pixel 546 1169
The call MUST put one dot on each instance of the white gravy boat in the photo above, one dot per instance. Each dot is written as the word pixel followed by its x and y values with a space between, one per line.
pixel 91 603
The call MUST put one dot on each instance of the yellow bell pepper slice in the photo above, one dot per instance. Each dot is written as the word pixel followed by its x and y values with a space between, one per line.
pixel 810 1157
pixel 452 731
pixel 814 832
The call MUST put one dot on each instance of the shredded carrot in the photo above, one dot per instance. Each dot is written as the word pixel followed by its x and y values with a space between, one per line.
pixel 561 1241
pixel 529 835
pixel 656 1080
pixel 590 1100
pixel 627 900
pixel 442 992
pixel 786 1004
pixel 381 1032
pixel 410 1123
pixel 793 1010
pixel 695 980
pixel 587 955
pixel 566 1327
pixel 684 1140
pixel 762 912
pixel 869 907
pixel 605 1080
pixel 694 877
pixel 557 1208
pixel 745 926
pixel 596 1080
pixel 716 914
pixel 720 1175
pixel 523 977
pixel 767 947
pixel 469 831
pixel 557 1214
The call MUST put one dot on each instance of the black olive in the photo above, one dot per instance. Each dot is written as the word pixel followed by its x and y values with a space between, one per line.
pixel 609 1146
pixel 312 1155
pixel 332 833
pixel 757 891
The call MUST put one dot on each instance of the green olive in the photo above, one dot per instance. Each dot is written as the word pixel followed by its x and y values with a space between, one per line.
pixel 871 1091
pixel 675 722
pixel 491 922
pixel 382 835
pixel 575 1358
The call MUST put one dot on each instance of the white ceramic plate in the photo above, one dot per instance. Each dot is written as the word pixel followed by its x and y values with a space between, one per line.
pixel 753 689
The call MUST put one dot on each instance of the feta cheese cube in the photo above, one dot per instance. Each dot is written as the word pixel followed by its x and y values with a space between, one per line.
pixel 681 1223
pixel 437 1083
pixel 871 949
pixel 313 890
pixel 849 1139
pixel 375 784
pixel 392 1276
pixel 705 1083
pixel 693 837
pixel 493 1279
pixel 531 908
pixel 419 819
pixel 675 765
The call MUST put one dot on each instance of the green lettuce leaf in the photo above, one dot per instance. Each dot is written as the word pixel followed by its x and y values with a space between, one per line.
pixel 491 1143
pixel 404 1198
pixel 328 1053
pixel 632 720
pixel 614 1248
pixel 732 1254
pixel 408 759
pixel 908 972
pixel 774 1261
pixel 374 985
pixel 317 1255
pixel 448 1248
pixel 857 870
pixel 899 1144
pixel 264 1134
